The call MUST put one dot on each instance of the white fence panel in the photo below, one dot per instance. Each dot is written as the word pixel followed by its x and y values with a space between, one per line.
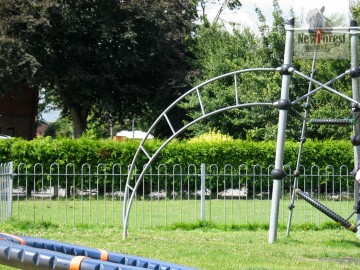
pixel 6 189
pixel 88 194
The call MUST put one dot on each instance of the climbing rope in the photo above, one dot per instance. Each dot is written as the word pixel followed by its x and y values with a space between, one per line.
pixel 295 191
pixel 302 140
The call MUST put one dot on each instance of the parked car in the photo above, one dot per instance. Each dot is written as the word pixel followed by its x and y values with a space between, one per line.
pixel 3 136
pixel 136 134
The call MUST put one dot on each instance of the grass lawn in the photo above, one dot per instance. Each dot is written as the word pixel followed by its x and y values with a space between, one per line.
pixel 155 213
pixel 208 246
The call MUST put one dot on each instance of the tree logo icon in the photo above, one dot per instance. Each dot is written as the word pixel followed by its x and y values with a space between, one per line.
pixel 320 37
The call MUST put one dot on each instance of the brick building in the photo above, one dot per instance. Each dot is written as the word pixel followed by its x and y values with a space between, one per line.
pixel 42 126
pixel 18 112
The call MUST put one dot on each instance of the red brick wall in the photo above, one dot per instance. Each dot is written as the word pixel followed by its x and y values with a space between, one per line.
pixel 41 128
pixel 18 112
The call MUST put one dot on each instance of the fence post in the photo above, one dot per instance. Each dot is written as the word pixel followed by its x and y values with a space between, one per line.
pixel 203 177
pixel 2 194
pixel 6 189
pixel 10 194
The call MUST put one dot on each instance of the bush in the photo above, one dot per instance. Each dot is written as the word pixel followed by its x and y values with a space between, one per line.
pixel 221 152
pixel 48 152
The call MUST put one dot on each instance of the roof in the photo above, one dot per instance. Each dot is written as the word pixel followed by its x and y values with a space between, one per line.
pixel 42 121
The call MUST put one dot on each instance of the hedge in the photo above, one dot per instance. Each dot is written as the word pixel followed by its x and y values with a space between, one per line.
pixel 109 152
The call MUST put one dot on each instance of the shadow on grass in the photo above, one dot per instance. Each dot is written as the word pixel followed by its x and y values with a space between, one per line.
pixel 200 225
pixel 205 225
pixel 26 225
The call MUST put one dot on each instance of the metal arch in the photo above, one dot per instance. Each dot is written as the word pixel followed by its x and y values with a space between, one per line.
pixel 128 201
pixel 127 206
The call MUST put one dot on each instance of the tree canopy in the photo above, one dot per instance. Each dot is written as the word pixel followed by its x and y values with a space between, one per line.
pixel 113 60
pixel 220 51
pixel 109 57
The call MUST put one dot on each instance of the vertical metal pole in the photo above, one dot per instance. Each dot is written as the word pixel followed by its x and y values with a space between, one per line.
pixel 10 187
pixel 278 173
pixel 203 176
pixel 354 47
pixel 133 128
pixel 3 184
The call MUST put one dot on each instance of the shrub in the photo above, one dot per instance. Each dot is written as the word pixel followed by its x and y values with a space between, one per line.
pixel 221 151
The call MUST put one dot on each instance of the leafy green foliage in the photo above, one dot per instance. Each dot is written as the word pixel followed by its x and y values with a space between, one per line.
pixel 60 128
pixel 220 51
pixel 112 57
pixel 64 155
pixel 355 9
pixel 222 5
pixel 221 152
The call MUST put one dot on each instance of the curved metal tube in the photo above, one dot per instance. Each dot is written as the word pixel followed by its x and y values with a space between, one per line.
pixel 127 206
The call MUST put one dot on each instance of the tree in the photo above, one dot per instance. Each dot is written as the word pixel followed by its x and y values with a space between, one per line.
pixel 17 66
pixel 105 57
pixel 220 51
pixel 355 9
pixel 60 128
pixel 222 6
pixel 323 104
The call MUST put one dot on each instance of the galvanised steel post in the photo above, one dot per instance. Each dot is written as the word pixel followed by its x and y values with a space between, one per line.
pixel 278 174
pixel 203 187
pixel 355 73
pixel 10 187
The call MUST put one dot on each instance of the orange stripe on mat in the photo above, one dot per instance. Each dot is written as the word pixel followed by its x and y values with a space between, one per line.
pixel 104 255
pixel 76 262
pixel 22 241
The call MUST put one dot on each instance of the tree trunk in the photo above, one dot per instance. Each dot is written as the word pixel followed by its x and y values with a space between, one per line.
pixel 79 117
pixel 79 114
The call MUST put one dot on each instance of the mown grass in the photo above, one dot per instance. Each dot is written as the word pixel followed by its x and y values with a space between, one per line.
pixel 235 235
pixel 210 246
pixel 155 213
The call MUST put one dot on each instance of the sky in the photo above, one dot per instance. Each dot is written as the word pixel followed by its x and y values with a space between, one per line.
pixel 246 16
pixel 51 116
